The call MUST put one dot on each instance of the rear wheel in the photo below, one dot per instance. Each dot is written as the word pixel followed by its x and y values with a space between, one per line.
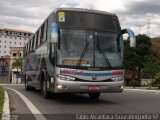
pixel 94 95
pixel 27 87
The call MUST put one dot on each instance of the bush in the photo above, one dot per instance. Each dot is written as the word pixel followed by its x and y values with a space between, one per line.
pixel 156 82
pixel 1 100
pixel 134 83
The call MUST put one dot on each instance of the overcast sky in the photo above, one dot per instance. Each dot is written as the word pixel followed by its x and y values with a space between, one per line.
pixel 134 14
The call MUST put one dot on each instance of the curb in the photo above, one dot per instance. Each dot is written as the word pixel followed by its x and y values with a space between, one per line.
pixel 143 90
pixel 11 84
pixel 6 110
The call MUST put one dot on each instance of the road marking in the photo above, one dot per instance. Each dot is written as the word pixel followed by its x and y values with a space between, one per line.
pixel 37 114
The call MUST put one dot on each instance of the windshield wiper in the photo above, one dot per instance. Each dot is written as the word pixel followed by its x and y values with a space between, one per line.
pixel 83 53
pixel 103 53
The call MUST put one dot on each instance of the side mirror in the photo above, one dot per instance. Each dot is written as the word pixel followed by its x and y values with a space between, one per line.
pixel 54 33
pixel 131 36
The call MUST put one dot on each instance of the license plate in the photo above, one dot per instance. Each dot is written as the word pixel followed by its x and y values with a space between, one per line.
pixel 94 88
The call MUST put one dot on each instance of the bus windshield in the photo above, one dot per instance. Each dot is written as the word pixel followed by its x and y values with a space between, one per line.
pixel 90 49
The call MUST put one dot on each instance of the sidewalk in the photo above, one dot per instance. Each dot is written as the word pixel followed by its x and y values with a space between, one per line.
pixel 145 89
pixel 6 108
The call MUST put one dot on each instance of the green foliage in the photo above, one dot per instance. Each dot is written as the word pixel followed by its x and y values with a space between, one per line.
pixel 134 83
pixel 151 66
pixel 143 61
pixel 150 71
pixel 134 57
pixel 1 100
pixel 17 63
pixel 156 82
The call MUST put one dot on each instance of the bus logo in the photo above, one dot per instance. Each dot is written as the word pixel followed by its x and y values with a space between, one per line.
pixel 94 78
pixel 72 71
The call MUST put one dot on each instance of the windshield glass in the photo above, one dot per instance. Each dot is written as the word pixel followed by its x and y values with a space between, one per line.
pixel 90 49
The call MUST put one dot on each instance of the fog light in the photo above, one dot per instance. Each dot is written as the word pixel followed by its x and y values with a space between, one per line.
pixel 121 87
pixel 61 87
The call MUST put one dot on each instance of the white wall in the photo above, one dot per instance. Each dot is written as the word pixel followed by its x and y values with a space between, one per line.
pixel 7 41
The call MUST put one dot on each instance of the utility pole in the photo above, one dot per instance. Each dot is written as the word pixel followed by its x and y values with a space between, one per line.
pixel 1 26
pixel 148 27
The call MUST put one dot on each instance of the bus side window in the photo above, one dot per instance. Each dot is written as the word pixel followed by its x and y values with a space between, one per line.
pixel 36 40
pixel 51 54
pixel 42 34
pixel 39 35
pixel 28 66
pixel 37 63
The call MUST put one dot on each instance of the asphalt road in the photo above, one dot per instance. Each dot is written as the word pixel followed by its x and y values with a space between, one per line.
pixel 128 102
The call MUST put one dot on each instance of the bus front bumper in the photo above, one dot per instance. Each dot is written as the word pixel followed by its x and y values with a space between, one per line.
pixel 88 87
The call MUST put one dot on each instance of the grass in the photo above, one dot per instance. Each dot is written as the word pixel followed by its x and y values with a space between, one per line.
pixel 1 100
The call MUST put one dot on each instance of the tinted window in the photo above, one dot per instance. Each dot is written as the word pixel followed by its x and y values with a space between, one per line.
pixel 86 20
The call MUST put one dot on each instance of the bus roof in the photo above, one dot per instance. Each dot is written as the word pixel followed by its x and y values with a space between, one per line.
pixel 85 10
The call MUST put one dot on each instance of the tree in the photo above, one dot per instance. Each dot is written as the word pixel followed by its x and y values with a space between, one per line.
pixel 151 66
pixel 134 57
pixel 17 63
pixel 156 82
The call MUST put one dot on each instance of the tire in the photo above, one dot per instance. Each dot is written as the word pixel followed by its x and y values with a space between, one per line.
pixel 27 87
pixel 45 93
pixel 94 95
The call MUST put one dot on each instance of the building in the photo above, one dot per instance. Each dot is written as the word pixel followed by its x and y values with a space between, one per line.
pixel 4 69
pixel 12 42
pixel 12 38
pixel 16 52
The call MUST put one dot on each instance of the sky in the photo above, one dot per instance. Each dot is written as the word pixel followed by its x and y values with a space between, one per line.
pixel 142 16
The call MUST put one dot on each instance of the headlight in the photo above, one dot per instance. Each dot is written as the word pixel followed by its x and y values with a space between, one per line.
pixel 117 79
pixel 67 78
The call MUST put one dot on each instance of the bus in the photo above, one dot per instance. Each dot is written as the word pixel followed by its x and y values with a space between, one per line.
pixel 76 51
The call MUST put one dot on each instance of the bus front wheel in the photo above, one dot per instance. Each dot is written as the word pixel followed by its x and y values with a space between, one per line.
pixel 94 95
